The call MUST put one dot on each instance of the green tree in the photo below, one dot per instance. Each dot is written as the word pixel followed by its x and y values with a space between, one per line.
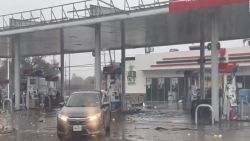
pixel 36 63
pixel 78 83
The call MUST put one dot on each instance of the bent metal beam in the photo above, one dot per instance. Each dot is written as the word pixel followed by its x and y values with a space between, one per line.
pixel 92 21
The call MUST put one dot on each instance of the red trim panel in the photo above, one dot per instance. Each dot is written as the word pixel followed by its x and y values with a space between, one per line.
pixel 197 57
pixel 183 58
pixel 186 5
pixel 172 65
pixel 239 54
pixel 189 64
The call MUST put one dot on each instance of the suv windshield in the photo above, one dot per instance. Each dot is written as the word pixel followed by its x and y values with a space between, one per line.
pixel 83 100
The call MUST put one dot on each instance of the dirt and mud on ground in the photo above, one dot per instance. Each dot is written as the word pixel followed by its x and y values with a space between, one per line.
pixel 146 125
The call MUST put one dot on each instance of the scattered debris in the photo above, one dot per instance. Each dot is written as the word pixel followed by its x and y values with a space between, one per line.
pixel 161 129
pixel 131 135
pixel 135 136
pixel 172 129
pixel 179 129
pixel 133 111
pixel 148 106
pixel 140 138
pixel 141 128
pixel 41 120
pixel 6 124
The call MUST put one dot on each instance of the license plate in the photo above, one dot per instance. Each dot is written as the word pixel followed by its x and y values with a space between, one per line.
pixel 77 128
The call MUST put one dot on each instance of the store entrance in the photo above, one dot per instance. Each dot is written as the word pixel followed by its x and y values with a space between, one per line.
pixel 165 89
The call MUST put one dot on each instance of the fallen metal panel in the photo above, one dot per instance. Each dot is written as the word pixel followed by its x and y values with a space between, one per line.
pixel 41 42
pixel 4 45
pixel 111 35
pixel 86 21
pixel 79 38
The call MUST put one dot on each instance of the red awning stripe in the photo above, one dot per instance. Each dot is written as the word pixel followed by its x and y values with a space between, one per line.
pixel 239 54
pixel 197 57
pixel 191 64
pixel 184 58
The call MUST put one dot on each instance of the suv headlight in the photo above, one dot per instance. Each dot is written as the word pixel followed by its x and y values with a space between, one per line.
pixel 63 117
pixel 94 117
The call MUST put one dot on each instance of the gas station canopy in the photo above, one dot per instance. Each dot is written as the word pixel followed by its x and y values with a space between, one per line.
pixel 148 26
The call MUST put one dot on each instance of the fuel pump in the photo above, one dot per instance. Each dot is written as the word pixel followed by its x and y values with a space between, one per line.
pixel 52 90
pixel 112 76
pixel 229 105
pixel 3 90
pixel 229 101
pixel 36 88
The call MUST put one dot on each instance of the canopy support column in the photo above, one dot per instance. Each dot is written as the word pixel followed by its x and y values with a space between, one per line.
pixel 123 65
pixel 62 62
pixel 98 81
pixel 215 69
pixel 16 44
pixel 202 58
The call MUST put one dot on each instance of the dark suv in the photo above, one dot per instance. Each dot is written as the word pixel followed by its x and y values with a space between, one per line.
pixel 85 113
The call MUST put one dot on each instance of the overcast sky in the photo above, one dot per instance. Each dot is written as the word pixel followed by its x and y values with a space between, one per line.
pixel 12 6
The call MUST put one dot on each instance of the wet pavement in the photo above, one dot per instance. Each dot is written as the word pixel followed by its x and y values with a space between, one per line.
pixel 173 125
pixel 164 124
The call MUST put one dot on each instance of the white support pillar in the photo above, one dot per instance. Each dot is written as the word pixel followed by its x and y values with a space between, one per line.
pixel 98 57
pixel 62 62
pixel 202 57
pixel 215 70
pixel 16 43
pixel 123 67
pixel 69 76
pixel 8 67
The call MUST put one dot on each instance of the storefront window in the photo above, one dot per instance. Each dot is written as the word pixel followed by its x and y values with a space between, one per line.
pixel 165 89
pixel 247 82
pixel 240 82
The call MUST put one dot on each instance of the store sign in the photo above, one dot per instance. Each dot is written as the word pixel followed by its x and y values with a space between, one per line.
pixel 227 67
pixel 186 5
pixel 131 75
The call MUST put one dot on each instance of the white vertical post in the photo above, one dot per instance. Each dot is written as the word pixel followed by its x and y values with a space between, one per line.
pixel 98 56
pixel 28 94
pixel 8 77
pixel 69 75
pixel 215 70
pixel 8 70
pixel 123 56
pixel 62 61
pixel 202 57
pixel 16 43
